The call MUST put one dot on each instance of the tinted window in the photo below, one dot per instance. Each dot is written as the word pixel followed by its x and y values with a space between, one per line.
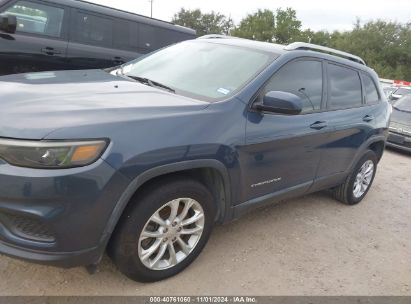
pixel 371 94
pixel 302 78
pixel 345 87
pixel 94 30
pixel 122 34
pixel 37 18
pixel 135 35
pixel 167 37
pixel 147 35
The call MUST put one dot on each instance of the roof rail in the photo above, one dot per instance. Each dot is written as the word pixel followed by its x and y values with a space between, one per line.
pixel 313 47
pixel 213 36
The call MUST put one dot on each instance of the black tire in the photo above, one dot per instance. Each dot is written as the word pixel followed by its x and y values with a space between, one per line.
pixel 123 247
pixel 345 192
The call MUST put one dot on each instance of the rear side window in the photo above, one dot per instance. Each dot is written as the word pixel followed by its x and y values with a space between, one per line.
pixel 135 36
pixel 371 93
pixel 148 37
pixel 94 30
pixel 122 33
pixel 302 78
pixel 345 87
pixel 35 18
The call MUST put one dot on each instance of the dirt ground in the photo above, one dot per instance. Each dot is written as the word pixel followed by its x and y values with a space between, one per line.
pixel 306 246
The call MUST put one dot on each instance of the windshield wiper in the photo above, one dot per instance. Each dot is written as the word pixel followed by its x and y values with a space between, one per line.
pixel 150 82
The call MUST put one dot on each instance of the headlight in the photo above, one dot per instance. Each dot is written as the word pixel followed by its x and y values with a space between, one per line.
pixel 51 154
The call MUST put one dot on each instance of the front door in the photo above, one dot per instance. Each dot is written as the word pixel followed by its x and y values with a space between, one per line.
pixel 39 43
pixel 282 152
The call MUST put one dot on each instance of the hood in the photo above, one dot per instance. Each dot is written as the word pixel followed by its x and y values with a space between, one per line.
pixel 400 117
pixel 35 104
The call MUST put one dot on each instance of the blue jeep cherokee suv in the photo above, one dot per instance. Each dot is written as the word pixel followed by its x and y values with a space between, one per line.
pixel 145 158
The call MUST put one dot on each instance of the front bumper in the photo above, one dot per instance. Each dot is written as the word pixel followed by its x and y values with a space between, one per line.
pixel 399 141
pixel 57 217
pixel 59 259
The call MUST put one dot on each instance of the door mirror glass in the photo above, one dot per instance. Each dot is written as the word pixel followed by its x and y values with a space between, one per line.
pixel 280 102
pixel 8 24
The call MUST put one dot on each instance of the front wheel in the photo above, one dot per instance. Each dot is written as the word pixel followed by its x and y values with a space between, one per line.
pixel 164 230
pixel 359 182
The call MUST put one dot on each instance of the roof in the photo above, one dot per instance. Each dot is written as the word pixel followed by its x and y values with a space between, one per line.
pixel 252 44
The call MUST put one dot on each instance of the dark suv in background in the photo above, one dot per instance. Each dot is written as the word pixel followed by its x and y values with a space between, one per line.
pixel 145 159
pixel 37 35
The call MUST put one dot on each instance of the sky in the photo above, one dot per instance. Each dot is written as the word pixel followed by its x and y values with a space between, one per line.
pixel 315 14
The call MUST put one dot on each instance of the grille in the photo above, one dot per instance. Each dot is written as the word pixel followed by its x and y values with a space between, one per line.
pixel 29 228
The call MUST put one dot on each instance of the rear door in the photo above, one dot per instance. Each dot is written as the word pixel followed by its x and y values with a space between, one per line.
pixel 126 40
pixel 100 41
pixel 350 117
pixel 91 40
pixel 40 42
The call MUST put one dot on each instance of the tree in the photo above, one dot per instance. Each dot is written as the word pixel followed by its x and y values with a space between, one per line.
pixel 281 27
pixel 321 37
pixel 385 46
pixel 259 26
pixel 211 23
pixel 287 26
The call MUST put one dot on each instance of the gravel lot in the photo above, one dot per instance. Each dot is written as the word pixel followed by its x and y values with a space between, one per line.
pixel 306 246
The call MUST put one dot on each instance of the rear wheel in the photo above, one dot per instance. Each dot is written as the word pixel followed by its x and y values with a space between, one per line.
pixel 164 230
pixel 359 182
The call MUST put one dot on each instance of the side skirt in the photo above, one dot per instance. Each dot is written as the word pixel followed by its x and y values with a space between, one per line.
pixel 243 208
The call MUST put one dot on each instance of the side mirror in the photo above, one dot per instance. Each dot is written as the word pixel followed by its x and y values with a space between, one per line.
pixel 8 24
pixel 280 102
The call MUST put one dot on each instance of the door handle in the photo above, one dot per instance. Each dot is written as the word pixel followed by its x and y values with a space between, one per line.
pixel 50 51
pixel 318 125
pixel 368 118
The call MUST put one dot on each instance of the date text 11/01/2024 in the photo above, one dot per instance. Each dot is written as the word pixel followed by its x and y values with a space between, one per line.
pixel 203 299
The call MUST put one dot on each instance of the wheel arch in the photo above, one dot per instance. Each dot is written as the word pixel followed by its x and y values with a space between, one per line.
pixel 378 148
pixel 208 171
pixel 375 143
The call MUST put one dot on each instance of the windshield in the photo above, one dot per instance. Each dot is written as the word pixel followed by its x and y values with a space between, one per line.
pixel 207 71
pixel 403 91
pixel 403 104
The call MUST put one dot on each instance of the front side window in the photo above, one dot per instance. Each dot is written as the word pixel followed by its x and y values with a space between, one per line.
pixel 371 94
pixel 94 30
pixel 345 87
pixel 35 18
pixel 302 78
pixel 207 71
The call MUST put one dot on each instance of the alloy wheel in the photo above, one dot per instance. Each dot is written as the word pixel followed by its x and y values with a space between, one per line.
pixel 363 179
pixel 171 234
